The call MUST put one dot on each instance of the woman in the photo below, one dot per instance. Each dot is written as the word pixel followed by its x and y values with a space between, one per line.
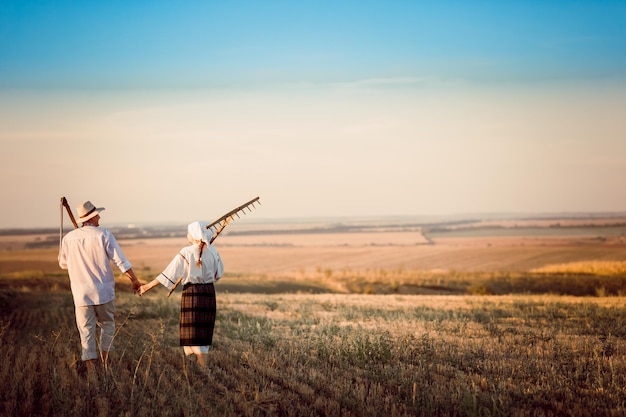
pixel 201 266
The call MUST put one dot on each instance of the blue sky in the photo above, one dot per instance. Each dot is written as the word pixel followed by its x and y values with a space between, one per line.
pixel 156 44
pixel 321 108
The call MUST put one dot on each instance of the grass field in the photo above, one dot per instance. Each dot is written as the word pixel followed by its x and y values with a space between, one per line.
pixel 388 328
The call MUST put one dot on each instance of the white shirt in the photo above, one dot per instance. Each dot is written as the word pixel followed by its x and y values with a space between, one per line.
pixel 87 253
pixel 185 265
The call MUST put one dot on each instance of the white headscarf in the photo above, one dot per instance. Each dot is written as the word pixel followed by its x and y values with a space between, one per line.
pixel 197 232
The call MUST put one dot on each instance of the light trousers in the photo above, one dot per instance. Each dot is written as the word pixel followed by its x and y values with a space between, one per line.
pixel 88 319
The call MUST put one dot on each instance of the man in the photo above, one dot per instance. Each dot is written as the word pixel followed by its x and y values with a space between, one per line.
pixel 86 253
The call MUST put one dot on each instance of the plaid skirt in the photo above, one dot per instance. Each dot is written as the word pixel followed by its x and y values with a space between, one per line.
pixel 197 315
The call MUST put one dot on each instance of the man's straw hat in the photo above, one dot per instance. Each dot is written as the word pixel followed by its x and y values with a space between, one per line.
pixel 87 210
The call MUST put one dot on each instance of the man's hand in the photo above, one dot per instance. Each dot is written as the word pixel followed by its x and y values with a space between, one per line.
pixel 133 278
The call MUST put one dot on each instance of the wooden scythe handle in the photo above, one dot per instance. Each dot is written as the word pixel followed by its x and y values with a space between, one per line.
pixel 69 211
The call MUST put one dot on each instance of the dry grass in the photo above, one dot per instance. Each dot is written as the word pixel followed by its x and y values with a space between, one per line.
pixel 324 355
pixel 603 268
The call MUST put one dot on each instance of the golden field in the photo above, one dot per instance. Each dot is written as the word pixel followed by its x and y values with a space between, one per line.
pixel 504 246
pixel 470 322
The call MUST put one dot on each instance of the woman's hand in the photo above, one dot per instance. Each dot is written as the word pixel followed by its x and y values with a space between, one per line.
pixel 143 289
pixel 147 287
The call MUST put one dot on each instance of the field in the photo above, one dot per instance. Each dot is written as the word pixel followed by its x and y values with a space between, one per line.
pixel 521 320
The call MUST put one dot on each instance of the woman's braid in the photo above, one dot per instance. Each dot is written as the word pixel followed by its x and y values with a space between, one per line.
pixel 202 245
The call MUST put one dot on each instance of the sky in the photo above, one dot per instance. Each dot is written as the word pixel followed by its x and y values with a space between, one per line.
pixel 175 111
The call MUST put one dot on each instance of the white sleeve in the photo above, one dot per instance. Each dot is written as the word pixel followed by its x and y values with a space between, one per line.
pixel 176 269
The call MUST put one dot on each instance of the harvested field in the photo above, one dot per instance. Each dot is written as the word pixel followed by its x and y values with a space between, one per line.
pixel 309 326
pixel 295 255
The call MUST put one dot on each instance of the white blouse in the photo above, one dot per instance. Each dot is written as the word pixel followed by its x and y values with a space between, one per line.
pixel 185 265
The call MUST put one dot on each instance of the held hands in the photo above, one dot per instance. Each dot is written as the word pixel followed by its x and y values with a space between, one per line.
pixel 136 287
pixel 142 290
